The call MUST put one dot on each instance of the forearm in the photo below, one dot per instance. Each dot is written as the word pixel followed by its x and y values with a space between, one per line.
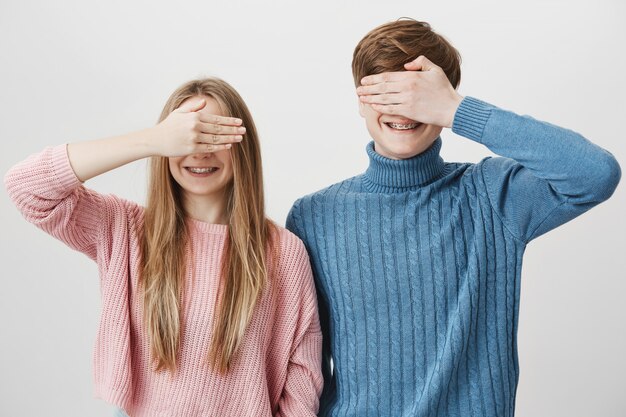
pixel 304 381
pixel 572 165
pixel 92 158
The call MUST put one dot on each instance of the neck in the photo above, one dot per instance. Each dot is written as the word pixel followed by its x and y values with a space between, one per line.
pixel 386 175
pixel 207 208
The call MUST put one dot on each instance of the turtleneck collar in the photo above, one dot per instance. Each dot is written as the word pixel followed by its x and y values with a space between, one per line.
pixel 390 175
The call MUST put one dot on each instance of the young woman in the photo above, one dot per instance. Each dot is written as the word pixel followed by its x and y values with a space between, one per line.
pixel 208 308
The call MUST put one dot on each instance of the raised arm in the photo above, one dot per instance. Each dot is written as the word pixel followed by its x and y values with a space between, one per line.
pixel 548 175
pixel 47 188
pixel 187 130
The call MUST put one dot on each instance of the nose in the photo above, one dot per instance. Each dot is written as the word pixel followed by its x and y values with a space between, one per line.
pixel 205 155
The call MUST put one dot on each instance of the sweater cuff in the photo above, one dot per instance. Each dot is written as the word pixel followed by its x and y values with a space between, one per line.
pixel 470 118
pixel 65 178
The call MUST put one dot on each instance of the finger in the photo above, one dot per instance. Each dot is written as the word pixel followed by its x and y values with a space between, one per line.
pixel 219 120
pixel 221 129
pixel 380 88
pixel 421 63
pixel 191 105
pixel 383 77
pixel 211 147
pixel 219 139
pixel 395 98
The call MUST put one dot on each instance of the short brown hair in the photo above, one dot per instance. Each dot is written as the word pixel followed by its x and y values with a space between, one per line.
pixel 388 47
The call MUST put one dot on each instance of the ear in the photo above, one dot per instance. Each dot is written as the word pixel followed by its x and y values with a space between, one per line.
pixel 361 109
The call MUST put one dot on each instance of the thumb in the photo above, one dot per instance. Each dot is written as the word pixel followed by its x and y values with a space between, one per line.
pixel 192 105
pixel 421 63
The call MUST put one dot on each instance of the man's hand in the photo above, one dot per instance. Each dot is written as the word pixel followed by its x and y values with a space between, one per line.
pixel 422 93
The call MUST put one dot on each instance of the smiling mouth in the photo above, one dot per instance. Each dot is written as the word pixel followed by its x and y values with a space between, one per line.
pixel 403 126
pixel 208 170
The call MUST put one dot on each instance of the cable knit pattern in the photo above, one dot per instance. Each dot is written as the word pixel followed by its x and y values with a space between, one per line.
pixel 417 264
pixel 275 373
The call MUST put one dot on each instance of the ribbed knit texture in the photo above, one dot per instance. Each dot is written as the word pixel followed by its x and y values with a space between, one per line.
pixel 275 373
pixel 417 264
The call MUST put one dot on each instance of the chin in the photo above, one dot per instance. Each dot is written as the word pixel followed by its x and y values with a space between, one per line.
pixel 406 143
pixel 402 149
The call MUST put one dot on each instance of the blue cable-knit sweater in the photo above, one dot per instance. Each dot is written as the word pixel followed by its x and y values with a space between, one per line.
pixel 417 264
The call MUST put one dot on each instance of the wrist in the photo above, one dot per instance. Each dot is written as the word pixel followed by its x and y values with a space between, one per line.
pixel 144 142
pixel 453 106
pixel 471 118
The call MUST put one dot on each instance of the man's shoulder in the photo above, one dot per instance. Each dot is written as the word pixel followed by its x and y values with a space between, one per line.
pixel 318 203
pixel 342 187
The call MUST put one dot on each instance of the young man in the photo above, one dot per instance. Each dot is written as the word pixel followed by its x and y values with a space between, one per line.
pixel 417 261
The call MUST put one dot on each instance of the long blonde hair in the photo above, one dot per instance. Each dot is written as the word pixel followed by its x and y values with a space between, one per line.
pixel 165 240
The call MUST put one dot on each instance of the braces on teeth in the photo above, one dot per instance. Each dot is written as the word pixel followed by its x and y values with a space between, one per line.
pixel 402 127
pixel 201 170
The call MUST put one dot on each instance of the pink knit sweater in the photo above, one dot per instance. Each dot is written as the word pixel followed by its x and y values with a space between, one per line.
pixel 277 369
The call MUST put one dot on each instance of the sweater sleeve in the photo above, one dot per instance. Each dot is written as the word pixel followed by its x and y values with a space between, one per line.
pixel 48 194
pixel 304 382
pixel 546 175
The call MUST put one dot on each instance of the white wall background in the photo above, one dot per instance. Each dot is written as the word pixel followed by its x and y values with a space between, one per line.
pixel 77 70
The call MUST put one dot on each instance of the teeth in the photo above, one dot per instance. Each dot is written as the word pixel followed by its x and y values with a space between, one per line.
pixel 402 127
pixel 202 170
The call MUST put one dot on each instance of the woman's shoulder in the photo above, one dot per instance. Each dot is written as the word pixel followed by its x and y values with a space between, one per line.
pixel 287 244
pixel 290 255
pixel 291 265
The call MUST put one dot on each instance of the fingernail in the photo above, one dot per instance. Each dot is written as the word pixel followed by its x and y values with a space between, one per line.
pixel 228 146
pixel 238 121
pixel 239 138
pixel 242 130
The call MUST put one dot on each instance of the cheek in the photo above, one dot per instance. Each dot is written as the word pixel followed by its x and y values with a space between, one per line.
pixel 370 114
pixel 375 117
pixel 175 170
pixel 174 163
pixel 225 159
pixel 229 171
pixel 434 131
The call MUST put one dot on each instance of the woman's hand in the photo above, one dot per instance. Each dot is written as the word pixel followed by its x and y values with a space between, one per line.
pixel 190 129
